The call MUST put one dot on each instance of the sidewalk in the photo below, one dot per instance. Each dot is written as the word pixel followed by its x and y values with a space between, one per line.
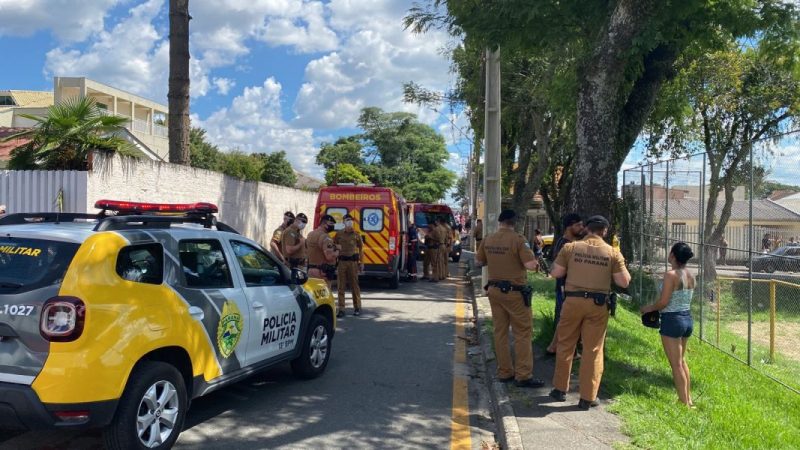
pixel 529 418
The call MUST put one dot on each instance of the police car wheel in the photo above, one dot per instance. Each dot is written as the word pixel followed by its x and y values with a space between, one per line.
pixel 151 411
pixel 316 349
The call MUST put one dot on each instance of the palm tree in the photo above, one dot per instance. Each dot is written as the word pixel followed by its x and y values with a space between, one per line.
pixel 65 138
pixel 178 95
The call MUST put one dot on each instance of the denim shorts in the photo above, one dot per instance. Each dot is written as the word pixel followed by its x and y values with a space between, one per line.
pixel 676 324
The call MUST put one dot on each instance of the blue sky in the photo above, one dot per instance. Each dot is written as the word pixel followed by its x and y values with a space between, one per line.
pixel 267 75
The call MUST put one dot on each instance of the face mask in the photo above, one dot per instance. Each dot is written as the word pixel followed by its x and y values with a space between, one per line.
pixel 329 228
pixel 301 225
pixel 348 223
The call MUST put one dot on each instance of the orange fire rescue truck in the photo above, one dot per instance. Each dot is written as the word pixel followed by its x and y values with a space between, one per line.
pixel 380 216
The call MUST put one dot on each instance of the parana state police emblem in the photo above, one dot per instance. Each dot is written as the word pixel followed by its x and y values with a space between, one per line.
pixel 229 329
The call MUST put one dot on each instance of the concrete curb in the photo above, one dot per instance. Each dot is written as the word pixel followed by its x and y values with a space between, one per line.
pixel 508 433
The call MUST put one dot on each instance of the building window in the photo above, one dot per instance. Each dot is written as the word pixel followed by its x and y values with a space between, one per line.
pixel 6 100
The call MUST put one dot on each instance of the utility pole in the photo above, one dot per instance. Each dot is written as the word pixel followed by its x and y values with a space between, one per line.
pixel 491 162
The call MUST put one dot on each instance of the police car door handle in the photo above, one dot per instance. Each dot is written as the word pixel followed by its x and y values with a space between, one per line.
pixel 196 313
pixel 257 305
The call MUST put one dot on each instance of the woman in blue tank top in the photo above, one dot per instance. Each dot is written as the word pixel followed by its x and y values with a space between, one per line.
pixel 674 303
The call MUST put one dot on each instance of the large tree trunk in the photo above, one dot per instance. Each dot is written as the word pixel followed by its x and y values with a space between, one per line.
pixel 178 95
pixel 531 170
pixel 602 82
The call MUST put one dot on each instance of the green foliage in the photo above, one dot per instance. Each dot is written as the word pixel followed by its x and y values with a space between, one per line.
pixel 202 154
pixel 271 168
pixel 394 150
pixel 345 173
pixel 346 150
pixel 241 165
pixel 277 169
pixel 767 187
pixel 460 192
pixel 65 137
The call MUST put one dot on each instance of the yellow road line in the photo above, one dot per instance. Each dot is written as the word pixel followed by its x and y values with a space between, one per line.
pixel 459 429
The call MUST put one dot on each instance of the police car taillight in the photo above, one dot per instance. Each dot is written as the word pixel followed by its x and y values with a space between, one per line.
pixel 62 319
pixel 114 205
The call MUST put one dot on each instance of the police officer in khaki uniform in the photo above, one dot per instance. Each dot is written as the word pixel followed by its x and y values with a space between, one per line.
pixel 446 239
pixel 589 265
pixel 322 253
pixel 351 251
pixel 293 244
pixel 275 242
pixel 431 253
pixel 508 256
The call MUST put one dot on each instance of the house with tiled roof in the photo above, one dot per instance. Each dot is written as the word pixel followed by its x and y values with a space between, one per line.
pixel 680 209
pixel 146 128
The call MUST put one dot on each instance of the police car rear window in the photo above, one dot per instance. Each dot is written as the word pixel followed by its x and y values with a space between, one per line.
pixel 27 264
pixel 142 263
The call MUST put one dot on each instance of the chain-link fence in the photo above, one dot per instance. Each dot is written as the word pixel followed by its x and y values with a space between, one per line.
pixel 744 229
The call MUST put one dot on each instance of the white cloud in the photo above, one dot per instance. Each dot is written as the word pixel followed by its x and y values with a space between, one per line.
pixel 306 33
pixel 69 20
pixel 376 56
pixel 221 30
pixel 223 85
pixel 253 124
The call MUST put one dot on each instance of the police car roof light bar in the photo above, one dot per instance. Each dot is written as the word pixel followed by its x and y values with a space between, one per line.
pixel 115 205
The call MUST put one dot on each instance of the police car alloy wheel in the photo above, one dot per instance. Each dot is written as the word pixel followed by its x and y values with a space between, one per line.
pixel 152 409
pixel 316 349
pixel 157 413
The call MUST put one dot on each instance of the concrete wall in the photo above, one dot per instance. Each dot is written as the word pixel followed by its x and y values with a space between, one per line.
pixel 255 209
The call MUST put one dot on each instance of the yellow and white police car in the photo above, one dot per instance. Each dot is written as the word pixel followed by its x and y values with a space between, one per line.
pixel 119 320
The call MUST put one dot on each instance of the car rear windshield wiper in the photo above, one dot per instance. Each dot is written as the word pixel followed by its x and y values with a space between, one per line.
pixel 9 284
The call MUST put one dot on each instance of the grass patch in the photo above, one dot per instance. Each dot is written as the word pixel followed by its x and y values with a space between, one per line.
pixel 737 407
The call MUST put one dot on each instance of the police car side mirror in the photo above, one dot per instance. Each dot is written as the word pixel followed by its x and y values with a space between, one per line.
pixel 299 277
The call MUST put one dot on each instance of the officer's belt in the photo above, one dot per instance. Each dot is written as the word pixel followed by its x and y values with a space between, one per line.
pixel 355 257
pixel 586 294
pixel 503 284
pixel 317 266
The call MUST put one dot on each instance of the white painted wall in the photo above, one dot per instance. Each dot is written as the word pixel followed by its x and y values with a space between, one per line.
pixel 255 209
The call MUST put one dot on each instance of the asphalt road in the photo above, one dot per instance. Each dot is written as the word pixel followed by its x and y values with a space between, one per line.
pixel 389 384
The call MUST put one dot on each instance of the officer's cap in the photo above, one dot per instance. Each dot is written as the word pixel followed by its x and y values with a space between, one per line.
pixel 348 217
pixel 289 214
pixel 507 214
pixel 302 217
pixel 327 218
pixel 600 220
pixel 571 219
